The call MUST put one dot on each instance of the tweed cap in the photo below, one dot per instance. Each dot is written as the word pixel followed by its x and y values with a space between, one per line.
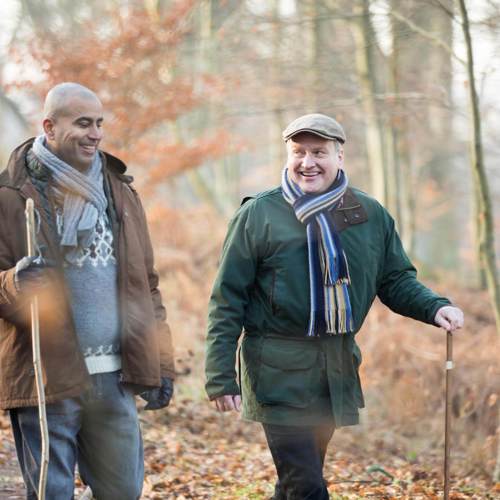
pixel 317 124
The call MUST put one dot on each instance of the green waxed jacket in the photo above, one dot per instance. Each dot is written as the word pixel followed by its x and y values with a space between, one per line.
pixel 262 289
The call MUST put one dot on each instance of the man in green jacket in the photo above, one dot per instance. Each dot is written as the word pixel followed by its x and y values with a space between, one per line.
pixel 300 268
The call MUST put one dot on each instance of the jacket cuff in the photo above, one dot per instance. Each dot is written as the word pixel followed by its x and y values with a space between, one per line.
pixel 438 305
pixel 168 373
pixel 229 390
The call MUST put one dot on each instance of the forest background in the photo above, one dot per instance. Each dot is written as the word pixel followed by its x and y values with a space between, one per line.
pixel 196 94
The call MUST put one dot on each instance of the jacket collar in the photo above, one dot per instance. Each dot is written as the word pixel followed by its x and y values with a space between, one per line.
pixel 349 211
pixel 15 174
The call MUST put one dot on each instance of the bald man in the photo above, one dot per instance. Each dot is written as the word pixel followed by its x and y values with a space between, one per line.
pixel 103 333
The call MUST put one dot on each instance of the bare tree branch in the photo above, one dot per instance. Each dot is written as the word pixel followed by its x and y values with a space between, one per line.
pixel 444 8
pixel 426 34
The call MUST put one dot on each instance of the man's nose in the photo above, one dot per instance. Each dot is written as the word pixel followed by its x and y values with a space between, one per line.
pixel 308 160
pixel 95 133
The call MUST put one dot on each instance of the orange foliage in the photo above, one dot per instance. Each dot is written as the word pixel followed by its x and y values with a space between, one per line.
pixel 129 57
pixel 169 158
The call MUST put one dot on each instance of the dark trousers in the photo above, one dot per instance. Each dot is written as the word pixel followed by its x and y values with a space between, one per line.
pixel 299 453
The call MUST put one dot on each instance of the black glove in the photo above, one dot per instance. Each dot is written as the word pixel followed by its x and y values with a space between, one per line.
pixel 160 397
pixel 30 274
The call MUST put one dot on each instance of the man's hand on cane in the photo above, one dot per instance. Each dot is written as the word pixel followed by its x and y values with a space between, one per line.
pixel 450 318
pixel 31 275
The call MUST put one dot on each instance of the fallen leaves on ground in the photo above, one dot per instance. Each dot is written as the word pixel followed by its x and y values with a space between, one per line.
pixel 192 452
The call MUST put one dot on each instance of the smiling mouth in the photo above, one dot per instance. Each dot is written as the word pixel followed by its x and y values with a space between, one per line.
pixel 310 175
pixel 89 149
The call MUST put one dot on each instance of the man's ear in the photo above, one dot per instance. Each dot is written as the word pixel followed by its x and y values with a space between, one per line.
pixel 340 155
pixel 48 128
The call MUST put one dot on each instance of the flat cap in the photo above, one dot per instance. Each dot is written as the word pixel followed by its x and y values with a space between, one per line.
pixel 317 124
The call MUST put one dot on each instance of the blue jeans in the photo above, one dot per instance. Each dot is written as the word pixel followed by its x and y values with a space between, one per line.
pixel 99 430
pixel 298 454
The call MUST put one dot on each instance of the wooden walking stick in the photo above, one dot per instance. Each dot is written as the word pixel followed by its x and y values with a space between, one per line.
pixel 35 340
pixel 447 425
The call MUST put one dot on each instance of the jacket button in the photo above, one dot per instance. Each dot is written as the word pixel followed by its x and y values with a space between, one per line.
pixel 31 372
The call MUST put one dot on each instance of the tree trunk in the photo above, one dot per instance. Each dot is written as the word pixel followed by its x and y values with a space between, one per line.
pixel 424 154
pixel 310 31
pixel 484 214
pixel 438 73
pixel 277 121
pixel 224 173
pixel 366 74
pixel 402 158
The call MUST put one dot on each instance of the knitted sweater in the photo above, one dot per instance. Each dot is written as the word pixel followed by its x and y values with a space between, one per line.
pixel 92 284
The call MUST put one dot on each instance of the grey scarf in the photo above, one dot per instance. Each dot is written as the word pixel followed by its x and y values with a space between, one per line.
pixel 80 194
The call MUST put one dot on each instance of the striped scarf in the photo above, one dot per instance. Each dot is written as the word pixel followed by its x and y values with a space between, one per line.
pixel 80 194
pixel 330 310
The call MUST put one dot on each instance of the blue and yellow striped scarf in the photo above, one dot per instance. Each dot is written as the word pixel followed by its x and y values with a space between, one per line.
pixel 328 270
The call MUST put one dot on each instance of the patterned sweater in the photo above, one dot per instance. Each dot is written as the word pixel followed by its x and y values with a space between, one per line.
pixel 92 284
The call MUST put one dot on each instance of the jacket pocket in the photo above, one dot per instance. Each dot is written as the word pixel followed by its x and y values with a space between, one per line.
pixel 273 293
pixel 289 373
pixel 358 392
pixel 279 299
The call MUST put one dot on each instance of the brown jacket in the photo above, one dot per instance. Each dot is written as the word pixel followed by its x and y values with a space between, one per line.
pixel 145 337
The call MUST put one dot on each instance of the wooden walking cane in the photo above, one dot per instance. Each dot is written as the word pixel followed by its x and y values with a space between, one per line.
pixel 35 340
pixel 447 425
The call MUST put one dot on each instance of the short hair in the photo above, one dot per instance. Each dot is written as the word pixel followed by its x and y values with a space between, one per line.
pixel 58 96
